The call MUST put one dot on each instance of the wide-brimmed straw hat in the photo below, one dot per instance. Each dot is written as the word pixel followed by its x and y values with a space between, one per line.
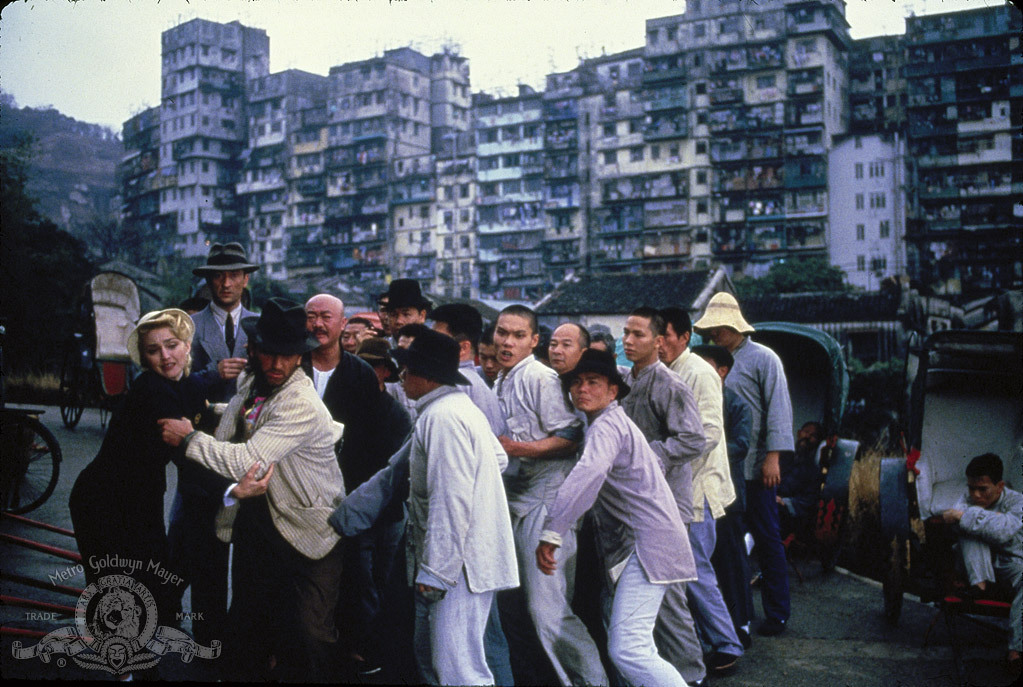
pixel 176 320
pixel 280 329
pixel 432 355
pixel 225 257
pixel 377 351
pixel 601 363
pixel 723 311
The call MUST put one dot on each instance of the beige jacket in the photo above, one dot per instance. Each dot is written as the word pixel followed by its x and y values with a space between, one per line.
pixel 711 478
pixel 294 430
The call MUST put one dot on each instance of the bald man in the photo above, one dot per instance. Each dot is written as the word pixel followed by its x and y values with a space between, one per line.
pixel 374 429
pixel 567 344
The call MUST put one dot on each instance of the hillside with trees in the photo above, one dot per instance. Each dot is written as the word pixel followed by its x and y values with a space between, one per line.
pixel 71 166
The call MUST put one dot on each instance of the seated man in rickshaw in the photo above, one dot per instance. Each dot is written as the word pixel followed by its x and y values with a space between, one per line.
pixel 800 485
pixel 990 524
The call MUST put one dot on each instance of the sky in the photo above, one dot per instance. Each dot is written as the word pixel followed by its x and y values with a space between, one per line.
pixel 99 60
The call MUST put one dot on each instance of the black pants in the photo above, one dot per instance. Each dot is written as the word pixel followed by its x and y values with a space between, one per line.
pixel 283 605
pixel 201 559
pixel 731 564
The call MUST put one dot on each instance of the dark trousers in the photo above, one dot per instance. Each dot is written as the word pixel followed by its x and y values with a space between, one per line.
pixel 762 520
pixel 201 559
pixel 731 564
pixel 368 560
pixel 283 605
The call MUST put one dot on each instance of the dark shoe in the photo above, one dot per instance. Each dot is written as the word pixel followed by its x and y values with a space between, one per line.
pixel 771 627
pixel 720 661
pixel 744 639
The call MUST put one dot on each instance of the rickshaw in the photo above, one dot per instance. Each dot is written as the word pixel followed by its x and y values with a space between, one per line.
pixel 95 369
pixel 964 399
pixel 819 388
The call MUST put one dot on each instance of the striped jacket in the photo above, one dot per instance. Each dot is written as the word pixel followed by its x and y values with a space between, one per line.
pixel 294 430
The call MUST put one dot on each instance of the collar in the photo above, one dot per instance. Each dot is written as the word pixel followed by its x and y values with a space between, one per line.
pixel 644 372
pixel 221 314
pixel 427 399
pixel 745 341
pixel 608 408
pixel 467 365
pixel 505 374
pixel 681 359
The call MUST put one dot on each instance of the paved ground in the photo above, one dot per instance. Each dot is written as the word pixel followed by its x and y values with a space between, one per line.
pixel 837 635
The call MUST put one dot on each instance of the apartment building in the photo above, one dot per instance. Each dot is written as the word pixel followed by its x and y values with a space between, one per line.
pixel 965 84
pixel 281 184
pixel 866 209
pixel 511 221
pixel 877 85
pixel 203 127
pixel 767 90
pixel 457 271
pixel 141 182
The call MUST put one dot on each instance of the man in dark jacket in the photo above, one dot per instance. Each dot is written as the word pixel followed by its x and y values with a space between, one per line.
pixel 375 427
pixel 730 560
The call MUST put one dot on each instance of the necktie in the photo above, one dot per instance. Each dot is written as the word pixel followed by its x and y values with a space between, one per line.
pixel 229 334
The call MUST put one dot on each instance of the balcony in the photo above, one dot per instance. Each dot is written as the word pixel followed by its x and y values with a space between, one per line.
pixel 727 153
pixel 311 187
pixel 662 129
pixel 404 196
pixel 258 185
pixel 562 140
pixel 560 203
pixel 721 96
pixel 795 177
pixel 653 76
pixel 560 110
pixel 921 128
pixel 811 87
pixel 665 214
pixel 669 101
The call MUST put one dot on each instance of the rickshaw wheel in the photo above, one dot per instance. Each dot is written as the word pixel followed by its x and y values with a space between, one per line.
pixel 72 390
pixel 894 581
pixel 31 463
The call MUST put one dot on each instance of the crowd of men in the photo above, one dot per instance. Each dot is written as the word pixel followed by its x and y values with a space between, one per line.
pixel 455 503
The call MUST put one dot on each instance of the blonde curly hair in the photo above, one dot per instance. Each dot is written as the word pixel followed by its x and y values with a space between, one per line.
pixel 176 320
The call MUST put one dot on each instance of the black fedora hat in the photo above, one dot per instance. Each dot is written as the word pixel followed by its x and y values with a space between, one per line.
pixel 280 329
pixel 432 355
pixel 405 293
pixel 224 257
pixel 601 363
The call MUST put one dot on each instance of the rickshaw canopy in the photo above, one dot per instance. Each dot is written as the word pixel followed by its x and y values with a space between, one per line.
pixel 815 368
pixel 116 309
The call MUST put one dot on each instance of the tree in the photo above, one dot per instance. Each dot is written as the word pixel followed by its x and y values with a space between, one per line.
pixel 42 272
pixel 798 275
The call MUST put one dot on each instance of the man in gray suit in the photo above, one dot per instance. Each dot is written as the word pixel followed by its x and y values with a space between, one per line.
pixel 218 354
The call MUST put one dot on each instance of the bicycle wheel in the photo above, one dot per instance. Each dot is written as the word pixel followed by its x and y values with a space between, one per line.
pixel 31 463
pixel 72 389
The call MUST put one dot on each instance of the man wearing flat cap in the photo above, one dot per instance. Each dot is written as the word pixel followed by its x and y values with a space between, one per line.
pixel 461 547
pixel 287 561
pixel 759 379
pixel 218 355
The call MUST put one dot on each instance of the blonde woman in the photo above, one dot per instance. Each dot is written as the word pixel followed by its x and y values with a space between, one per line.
pixel 117 502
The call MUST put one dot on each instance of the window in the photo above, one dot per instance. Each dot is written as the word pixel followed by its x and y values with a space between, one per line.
pixel 858 142
pixel 701 88
pixel 699 30
pixel 878 264
pixel 876 169
pixel 610 157
pixel 463 216
pixel 861 263
pixel 766 81
pixel 636 154
pixel 655 152
pixel 609 130
pixel 701 176
pixel 424 237
pixel 701 147
pixel 701 207
pixel 861 232
pixel 885 229
pixel 635 126
pixel 465 241
pixel 859 201
pixel 449 243
pixel 859 170
pixel 877 200
pixel 463 190
pixel 701 117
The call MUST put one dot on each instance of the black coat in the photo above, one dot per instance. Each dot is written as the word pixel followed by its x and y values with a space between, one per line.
pixel 375 424
pixel 117 500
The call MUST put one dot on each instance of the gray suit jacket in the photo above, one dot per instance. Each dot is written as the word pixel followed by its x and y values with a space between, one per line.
pixel 208 349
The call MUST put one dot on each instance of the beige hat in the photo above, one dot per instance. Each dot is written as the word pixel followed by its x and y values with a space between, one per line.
pixel 177 320
pixel 723 311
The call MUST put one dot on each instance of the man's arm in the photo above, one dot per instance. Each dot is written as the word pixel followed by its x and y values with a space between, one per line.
pixel 740 426
pixel 777 420
pixel 685 440
pixel 362 508
pixel 563 429
pixel 551 447
pixel 288 428
pixel 992 526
